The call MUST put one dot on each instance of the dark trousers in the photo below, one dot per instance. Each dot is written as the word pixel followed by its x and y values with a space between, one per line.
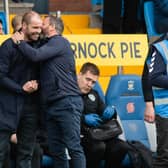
pixel 94 152
pixel 161 160
pixel 63 127
pixel 26 135
pixel 7 163
pixel 4 147
pixel 112 151
pixel 112 22
pixel 115 153
pixel 37 156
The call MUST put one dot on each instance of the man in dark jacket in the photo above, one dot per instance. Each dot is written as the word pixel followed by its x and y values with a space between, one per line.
pixel 18 96
pixel 95 113
pixel 60 93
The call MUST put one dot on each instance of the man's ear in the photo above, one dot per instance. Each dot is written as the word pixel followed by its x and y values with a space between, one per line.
pixel 79 75
pixel 24 26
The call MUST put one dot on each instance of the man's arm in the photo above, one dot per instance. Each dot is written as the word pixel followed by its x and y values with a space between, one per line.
pixel 5 62
pixel 54 47
pixel 149 114
pixel 157 71
pixel 146 81
pixel 6 81
pixel 146 84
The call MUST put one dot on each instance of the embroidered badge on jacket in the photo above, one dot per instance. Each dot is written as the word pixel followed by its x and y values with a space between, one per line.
pixel 92 97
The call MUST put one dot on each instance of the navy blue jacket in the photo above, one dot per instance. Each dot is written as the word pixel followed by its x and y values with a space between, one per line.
pixel 58 73
pixel 15 71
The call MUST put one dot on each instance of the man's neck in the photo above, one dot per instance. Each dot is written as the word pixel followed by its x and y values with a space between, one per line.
pixel 51 34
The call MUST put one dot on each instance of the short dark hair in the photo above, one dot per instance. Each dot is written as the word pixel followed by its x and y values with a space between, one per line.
pixel 16 20
pixel 57 22
pixel 88 66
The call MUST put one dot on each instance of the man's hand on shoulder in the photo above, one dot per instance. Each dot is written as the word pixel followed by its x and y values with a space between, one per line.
pixel 17 37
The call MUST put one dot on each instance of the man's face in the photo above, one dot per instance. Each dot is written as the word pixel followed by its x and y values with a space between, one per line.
pixel 46 26
pixel 1 29
pixel 86 81
pixel 32 30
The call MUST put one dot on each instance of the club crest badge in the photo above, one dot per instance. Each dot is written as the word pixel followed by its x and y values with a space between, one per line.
pixel 130 85
pixel 92 97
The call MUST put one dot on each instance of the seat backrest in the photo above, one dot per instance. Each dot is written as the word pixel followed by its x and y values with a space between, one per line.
pixel 149 18
pixel 125 93
pixel 98 88
pixel 47 161
pixel 3 18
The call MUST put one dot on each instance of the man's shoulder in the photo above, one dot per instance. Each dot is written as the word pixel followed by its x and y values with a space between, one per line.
pixel 7 45
pixel 160 38
pixel 60 37
pixel 7 42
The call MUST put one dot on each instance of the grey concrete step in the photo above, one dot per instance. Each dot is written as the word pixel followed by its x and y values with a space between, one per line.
pixel 17 8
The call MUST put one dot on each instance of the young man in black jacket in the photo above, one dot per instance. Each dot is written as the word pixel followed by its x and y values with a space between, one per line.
pixel 94 114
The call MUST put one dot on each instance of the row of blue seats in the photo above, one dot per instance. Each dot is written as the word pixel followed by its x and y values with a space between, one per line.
pixel 125 93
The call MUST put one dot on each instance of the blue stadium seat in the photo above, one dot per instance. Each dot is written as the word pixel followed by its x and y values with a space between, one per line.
pixel 149 18
pixel 3 18
pixel 47 161
pixel 125 93
pixel 98 88
pixel 96 2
